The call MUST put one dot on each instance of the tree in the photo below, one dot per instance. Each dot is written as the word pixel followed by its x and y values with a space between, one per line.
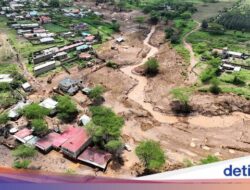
pixel 214 88
pixel 96 93
pixel 152 66
pixel 24 164
pixel 23 151
pixel 151 154
pixel 34 111
pixel 40 127
pixel 66 109
pixel 181 95
pixel 105 128
pixel 54 3
pixel 4 118
pixel 204 24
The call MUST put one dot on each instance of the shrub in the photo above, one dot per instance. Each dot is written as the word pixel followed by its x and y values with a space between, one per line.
pixel 151 154
pixel 4 118
pixel 215 89
pixel 152 66
pixel 24 151
pixel 40 127
pixel 24 164
pixel 96 93
pixel 209 159
pixel 35 111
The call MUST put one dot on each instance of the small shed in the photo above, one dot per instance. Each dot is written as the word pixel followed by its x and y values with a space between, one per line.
pixel 27 87
pixel 84 120
pixel 49 104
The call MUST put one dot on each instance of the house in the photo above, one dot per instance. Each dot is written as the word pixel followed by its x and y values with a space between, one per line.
pixel 44 55
pixel 29 26
pixel 86 90
pixel 69 86
pixel 14 112
pixel 6 78
pixel 82 48
pixel 67 34
pixel 85 34
pixel 43 68
pixel 44 19
pixel 61 55
pixel 50 104
pixel 85 56
pixel 21 32
pixel 47 40
pixel 39 30
pixel 84 120
pixel 75 145
pixel 46 143
pixel 229 68
pixel 90 38
pixel 24 135
pixel 70 47
pixel 233 54
pixel 27 87
pixel 33 13
pixel 95 157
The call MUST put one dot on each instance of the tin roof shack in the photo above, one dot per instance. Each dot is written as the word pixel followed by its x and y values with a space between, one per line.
pixel 119 40
pixel 46 143
pixel 43 68
pixel 6 78
pixel 47 40
pixel 67 34
pixel 44 55
pixel 49 104
pixel 226 54
pixel 27 87
pixel 70 47
pixel 14 112
pixel 85 56
pixel 229 68
pixel 84 120
pixel 44 19
pixel 82 48
pixel 23 135
pixel 61 55
pixel 16 6
pixel 95 157
pixel 69 86
pixel 29 26
pixel 75 145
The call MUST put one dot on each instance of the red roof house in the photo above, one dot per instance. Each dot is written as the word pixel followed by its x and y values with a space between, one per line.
pixel 95 157
pixel 77 143
pixel 85 56
pixel 44 19
pixel 46 143
pixel 20 135
pixel 90 38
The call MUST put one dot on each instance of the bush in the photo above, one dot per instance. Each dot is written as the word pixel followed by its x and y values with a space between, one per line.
pixel 215 89
pixel 24 151
pixel 209 159
pixel 112 65
pixel 24 164
pixel 151 154
pixel 40 127
pixel 4 118
pixel 34 111
pixel 66 109
pixel 152 66
pixel 96 93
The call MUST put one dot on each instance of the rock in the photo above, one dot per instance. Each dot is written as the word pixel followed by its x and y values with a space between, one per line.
pixel 231 151
pixel 192 144
pixel 205 148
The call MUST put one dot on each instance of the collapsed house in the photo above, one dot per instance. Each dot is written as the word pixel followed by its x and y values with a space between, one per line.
pixel 69 86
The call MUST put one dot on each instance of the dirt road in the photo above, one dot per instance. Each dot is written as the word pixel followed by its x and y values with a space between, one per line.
pixel 192 76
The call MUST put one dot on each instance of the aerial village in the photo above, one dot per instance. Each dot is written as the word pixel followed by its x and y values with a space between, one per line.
pixel 78 99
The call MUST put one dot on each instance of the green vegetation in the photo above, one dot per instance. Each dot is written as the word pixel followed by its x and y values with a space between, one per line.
pixel 181 95
pixel 105 128
pixel 151 154
pixel 152 66
pixel 23 151
pixel 96 93
pixel 66 108
pixel 24 164
pixel 4 118
pixel 34 111
pixel 40 127
pixel 188 163
pixel 54 28
pixel 209 159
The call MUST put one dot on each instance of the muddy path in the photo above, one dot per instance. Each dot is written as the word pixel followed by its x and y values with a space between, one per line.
pixel 192 75
pixel 137 94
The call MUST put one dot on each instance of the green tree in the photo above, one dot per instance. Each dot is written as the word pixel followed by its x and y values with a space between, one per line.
pixel 54 3
pixel 151 154
pixel 23 151
pixel 214 88
pixel 182 96
pixel 96 93
pixel 67 110
pixel 152 66
pixel 34 111
pixel 204 24
pixel 105 128
pixel 4 118
pixel 24 164
pixel 40 127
